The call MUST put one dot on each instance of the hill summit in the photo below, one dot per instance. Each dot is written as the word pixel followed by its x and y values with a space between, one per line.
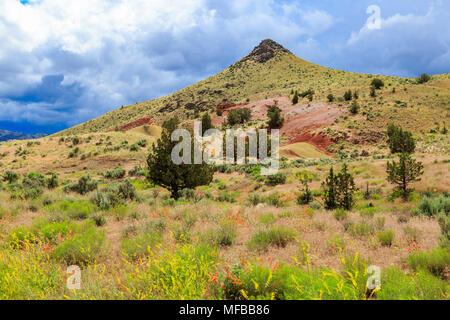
pixel 265 51
pixel 271 72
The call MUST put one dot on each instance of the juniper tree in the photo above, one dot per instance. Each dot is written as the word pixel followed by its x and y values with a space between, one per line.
pixel 354 107
pixel 329 194
pixel 306 196
pixel 348 95
pixel 275 118
pixel 295 98
pixel 400 141
pixel 404 172
pixel 164 172
pixel 377 83
pixel 339 190
pixel 346 189
pixel 206 122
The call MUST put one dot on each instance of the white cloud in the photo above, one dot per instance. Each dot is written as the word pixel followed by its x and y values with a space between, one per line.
pixel 405 45
pixel 117 52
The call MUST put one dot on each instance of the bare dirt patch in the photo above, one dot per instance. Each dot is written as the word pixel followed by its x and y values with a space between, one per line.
pixel 147 120
pixel 301 120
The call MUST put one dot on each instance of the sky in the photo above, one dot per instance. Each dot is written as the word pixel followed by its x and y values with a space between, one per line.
pixel 65 62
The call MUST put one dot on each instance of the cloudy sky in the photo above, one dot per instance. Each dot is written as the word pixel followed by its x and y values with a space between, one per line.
pixel 64 62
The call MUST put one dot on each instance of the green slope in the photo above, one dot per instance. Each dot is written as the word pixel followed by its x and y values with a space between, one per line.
pixel 417 107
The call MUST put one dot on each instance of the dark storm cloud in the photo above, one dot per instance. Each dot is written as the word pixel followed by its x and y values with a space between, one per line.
pixel 62 63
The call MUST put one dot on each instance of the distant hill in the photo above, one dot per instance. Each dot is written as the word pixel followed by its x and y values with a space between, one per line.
pixel 10 135
pixel 271 71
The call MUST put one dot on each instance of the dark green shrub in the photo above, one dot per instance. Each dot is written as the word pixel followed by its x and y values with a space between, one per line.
pixel 10 176
pixel 348 95
pixel 354 107
pixel 276 179
pixel 85 185
pixel 433 206
pixel 114 194
pixel 377 83
pixel 423 78
pixel 275 118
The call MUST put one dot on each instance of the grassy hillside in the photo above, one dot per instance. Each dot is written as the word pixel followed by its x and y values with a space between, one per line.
pixel 415 106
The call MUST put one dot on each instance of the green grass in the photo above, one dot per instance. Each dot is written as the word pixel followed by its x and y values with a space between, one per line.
pixel 84 248
pixel 396 285
pixel 435 261
pixel 140 245
pixel 278 236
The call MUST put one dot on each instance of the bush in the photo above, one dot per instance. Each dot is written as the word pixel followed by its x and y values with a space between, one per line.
pixel 278 236
pixel 98 219
pixel 82 249
pixel 52 180
pixel 362 229
pixel 10 176
pixel 222 236
pixel 423 78
pixel 444 223
pixel 137 171
pixel 274 200
pixel 267 219
pixel 276 179
pixel 348 95
pixel 435 261
pixel 368 212
pixel 340 214
pixel 114 194
pixel 386 237
pixel 331 98
pixel 225 196
pixel 354 107
pixel 433 206
pixel 85 184
pixel 117 173
pixel 33 185
pixel 377 84
pixel 238 116
pixel 255 199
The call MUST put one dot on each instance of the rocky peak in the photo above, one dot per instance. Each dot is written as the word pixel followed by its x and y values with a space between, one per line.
pixel 265 51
